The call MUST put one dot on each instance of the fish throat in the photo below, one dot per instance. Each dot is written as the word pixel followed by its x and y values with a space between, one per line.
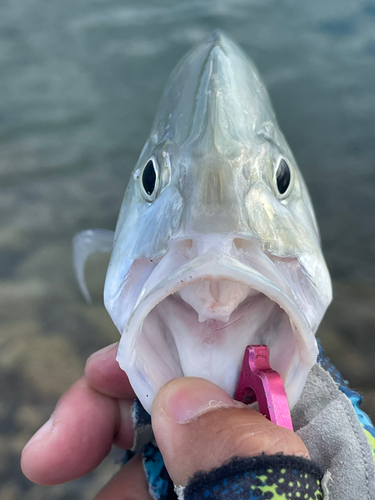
pixel 203 328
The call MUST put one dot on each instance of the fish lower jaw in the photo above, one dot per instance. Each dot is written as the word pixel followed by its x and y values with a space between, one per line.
pixel 193 332
pixel 165 337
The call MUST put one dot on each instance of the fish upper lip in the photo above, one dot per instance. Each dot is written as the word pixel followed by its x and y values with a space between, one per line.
pixel 231 269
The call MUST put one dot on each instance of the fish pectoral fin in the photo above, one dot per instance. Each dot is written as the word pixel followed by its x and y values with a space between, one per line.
pixel 85 244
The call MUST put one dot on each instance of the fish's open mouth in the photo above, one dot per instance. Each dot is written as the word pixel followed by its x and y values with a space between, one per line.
pixel 198 320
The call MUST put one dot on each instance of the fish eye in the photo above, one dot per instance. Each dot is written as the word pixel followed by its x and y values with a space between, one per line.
pixel 283 176
pixel 149 180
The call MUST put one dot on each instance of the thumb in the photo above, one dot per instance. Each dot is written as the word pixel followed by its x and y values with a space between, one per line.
pixel 199 427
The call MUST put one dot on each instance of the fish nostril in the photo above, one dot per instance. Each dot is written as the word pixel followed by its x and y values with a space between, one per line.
pixel 186 244
pixel 240 243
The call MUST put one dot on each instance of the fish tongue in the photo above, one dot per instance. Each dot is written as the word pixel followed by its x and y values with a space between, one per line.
pixel 214 299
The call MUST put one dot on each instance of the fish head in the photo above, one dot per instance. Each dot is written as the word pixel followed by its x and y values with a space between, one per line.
pixel 216 245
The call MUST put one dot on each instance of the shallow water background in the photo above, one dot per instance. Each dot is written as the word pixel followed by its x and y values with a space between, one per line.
pixel 79 85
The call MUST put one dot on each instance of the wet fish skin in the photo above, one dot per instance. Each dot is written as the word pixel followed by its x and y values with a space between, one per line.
pixel 217 216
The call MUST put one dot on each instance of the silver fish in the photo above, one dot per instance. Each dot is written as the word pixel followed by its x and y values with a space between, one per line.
pixel 216 245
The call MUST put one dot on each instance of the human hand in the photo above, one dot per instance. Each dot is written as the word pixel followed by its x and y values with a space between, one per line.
pixel 196 424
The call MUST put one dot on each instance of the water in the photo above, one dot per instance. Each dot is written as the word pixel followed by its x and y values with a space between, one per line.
pixel 79 85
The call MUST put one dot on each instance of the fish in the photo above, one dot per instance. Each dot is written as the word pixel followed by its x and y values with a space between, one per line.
pixel 216 245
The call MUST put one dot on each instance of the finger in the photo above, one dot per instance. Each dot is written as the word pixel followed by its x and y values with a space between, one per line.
pixel 104 374
pixel 199 427
pixel 78 435
pixel 129 483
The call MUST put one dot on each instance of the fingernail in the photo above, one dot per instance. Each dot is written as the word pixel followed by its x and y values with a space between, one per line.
pixel 41 433
pixel 188 397
pixel 103 353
